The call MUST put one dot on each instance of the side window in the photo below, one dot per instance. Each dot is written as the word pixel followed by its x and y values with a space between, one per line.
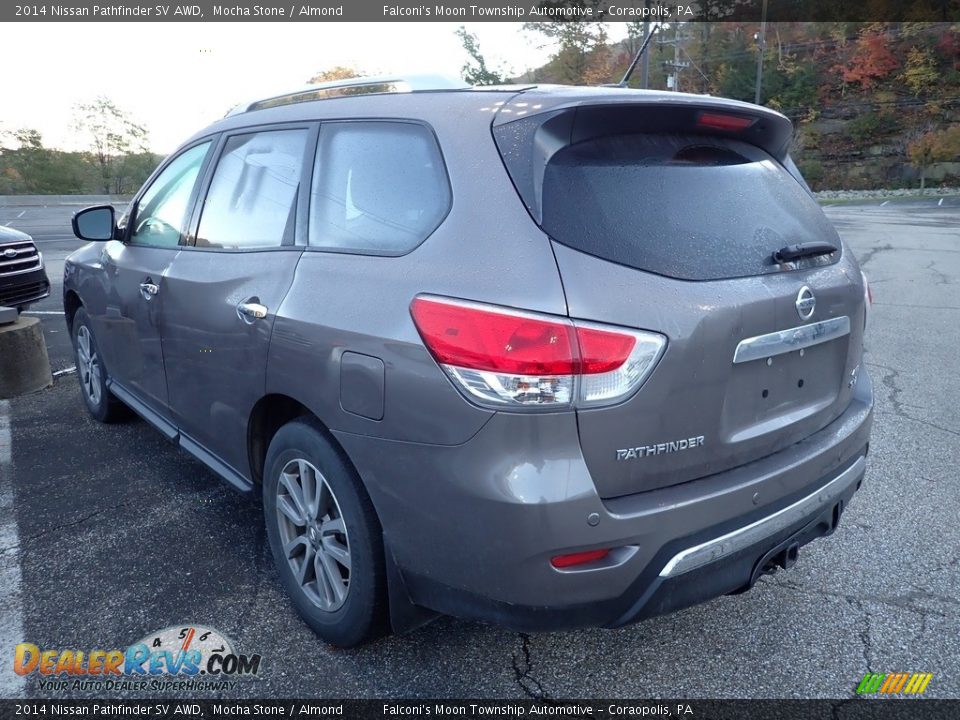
pixel 162 209
pixel 378 187
pixel 252 201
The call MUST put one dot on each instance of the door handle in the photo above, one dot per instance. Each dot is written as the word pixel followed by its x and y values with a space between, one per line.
pixel 148 289
pixel 250 311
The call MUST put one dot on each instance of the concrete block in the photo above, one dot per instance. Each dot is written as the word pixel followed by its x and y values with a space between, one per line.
pixel 24 365
pixel 8 315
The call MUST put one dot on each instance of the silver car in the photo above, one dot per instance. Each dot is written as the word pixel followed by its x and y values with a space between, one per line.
pixel 542 356
pixel 23 279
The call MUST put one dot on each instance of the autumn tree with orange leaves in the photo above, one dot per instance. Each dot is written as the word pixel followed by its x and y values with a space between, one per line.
pixel 871 62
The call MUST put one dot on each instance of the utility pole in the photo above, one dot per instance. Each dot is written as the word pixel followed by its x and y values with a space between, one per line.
pixel 645 63
pixel 762 42
pixel 673 80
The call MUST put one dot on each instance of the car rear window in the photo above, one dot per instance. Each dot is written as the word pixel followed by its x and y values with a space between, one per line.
pixel 693 207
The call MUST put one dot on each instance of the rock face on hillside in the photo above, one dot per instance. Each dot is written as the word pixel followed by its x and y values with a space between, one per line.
pixel 844 150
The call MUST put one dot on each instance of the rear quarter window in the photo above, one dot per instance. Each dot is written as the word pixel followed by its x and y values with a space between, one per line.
pixel 379 187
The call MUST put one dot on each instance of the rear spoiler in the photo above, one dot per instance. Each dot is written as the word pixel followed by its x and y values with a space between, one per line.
pixel 535 124
pixel 591 112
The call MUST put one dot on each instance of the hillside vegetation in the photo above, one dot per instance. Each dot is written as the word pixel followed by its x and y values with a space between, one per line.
pixel 874 105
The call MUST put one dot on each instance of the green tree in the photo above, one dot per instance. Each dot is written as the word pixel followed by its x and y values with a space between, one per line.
pixel 37 170
pixel 574 40
pixel 475 70
pixel 870 127
pixel 736 75
pixel 797 92
pixel 113 134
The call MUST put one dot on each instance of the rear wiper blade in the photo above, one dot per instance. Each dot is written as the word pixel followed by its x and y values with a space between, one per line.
pixel 801 250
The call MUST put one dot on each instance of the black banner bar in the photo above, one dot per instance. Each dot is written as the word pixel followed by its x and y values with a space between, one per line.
pixel 385 709
pixel 483 11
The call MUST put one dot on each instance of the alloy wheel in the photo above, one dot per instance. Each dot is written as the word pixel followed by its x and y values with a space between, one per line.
pixel 88 365
pixel 313 534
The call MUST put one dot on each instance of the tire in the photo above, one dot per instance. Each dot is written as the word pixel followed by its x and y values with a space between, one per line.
pixel 324 535
pixel 101 404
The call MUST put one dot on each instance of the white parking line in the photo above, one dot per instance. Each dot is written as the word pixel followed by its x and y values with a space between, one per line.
pixel 66 371
pixel 11 600
pixel 43 312
pixel 884 203
pixel 940 203
pixel 22 213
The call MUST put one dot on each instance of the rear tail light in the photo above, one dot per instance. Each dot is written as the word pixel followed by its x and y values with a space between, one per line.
pixel 513 359
pixel 867 299
pixel 579 558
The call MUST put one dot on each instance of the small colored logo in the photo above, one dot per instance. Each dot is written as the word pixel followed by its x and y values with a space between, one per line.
pixel 181 652
pixel 894 683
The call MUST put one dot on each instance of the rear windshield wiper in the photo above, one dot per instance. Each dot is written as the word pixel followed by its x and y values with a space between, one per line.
pixel 801 250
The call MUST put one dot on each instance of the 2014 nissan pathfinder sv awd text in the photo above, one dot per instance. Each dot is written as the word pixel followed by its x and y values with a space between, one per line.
pixel 542 356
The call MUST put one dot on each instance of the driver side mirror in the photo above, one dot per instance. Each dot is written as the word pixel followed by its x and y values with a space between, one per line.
pixel 95 223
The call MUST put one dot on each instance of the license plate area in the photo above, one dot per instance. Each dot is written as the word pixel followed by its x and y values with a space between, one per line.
pixel 768 394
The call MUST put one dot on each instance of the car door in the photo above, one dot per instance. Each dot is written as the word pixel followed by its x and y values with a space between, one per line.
pixel 127 323
pixel 223 290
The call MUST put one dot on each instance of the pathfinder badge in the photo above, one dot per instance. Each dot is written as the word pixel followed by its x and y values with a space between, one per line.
pixel 659 449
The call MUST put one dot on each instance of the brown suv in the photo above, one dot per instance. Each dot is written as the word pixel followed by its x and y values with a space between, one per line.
pixel 545 356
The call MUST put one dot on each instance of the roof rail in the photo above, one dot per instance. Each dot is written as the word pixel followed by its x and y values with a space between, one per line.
pixel 354 86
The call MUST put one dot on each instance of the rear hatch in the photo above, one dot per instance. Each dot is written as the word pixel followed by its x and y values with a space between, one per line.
pixel 665 215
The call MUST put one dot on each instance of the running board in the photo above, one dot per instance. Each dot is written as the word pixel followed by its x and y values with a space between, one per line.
pixel 215 464
pixel 166 428
pixel 173 434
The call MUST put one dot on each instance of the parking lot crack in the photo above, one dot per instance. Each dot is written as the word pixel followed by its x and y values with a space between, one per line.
pixel 869 254
pixel 942 278
pixel 921 421
pixel 523 669
pixel 865 637
pixel 890 381
pixel 903 602
pixel 74 523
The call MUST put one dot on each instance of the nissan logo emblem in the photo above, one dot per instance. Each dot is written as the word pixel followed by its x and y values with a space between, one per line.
pixel 806 303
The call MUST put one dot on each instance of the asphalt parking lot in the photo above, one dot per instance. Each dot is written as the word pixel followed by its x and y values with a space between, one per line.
pixel 118 534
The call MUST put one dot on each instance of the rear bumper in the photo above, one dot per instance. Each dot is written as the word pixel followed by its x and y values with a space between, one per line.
pixel 22 289
pixel 471 529
pixel 734 569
